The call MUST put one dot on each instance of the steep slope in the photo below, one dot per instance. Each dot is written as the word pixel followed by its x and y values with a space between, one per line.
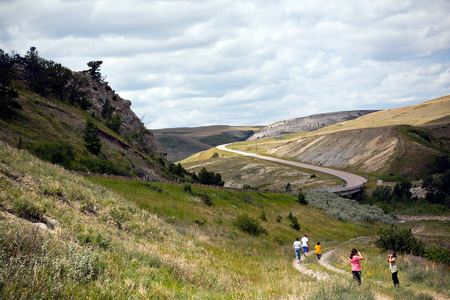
pixel 63 236
pixel 399 141
pixel 179 143
pixel 56 105
pixel 309 123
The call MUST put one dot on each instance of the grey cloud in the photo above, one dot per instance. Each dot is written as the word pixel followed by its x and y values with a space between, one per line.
pixel 190 63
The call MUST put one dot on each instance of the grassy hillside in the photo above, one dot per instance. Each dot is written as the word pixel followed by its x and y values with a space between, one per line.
pixel 48 125
pixel 65 236
pixel 179 143
pixel 146 240
pixel 239 171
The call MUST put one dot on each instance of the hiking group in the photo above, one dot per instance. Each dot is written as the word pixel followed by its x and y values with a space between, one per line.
pixel 302 246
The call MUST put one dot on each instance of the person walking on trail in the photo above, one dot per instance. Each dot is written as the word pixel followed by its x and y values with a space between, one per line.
pixel 318 250
pixel 297 247
pixel 305 244
pixel 392 260
pixel 355 261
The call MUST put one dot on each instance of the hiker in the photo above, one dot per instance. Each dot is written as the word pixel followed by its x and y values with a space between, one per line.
pixel 318 250
pixel 305 244
pixel 392 260
pixel 355 261
pixel 297 246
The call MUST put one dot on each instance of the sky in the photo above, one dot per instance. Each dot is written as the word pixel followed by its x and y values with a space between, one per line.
pixel 194 63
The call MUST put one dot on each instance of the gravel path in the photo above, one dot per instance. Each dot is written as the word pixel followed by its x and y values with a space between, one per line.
pixel 352 181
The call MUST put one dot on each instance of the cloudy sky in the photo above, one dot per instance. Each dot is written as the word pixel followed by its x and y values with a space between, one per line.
pixel 191 63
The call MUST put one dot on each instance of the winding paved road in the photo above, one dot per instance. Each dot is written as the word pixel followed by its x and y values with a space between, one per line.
pixel 352 182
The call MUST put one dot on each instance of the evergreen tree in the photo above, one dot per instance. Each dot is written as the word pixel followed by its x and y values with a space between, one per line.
pixel 302 198
pixel 115 122
pixel 8 95
pixel 107 110
pixel 94 68
pixel 288 188
pixel 91 139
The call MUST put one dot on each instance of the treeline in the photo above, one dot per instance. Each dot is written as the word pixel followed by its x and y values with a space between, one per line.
pixel 203 177
pixel 436 184
pixel 42 76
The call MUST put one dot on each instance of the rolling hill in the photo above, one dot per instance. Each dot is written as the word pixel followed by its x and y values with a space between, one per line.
pixel 179 143
pixel 309 123
pixel 396 141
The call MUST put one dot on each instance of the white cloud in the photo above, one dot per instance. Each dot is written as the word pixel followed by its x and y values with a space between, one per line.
pixel 190 63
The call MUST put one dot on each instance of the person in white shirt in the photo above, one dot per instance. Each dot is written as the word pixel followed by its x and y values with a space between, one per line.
pixel 305 244
pixel 297 246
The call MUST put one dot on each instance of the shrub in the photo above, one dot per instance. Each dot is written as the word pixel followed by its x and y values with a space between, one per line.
pixel 210 178
pixel 177 169
pixel 89 238
pixel 288 188
pixel 346 209
pixel 82 266
pixel 382 194
pixel 294 222
pixel 206 199
pixel 399 240
pixel 114 123
pixel 249 225
pixel 53 189
pixel 302 198
pixel 154 188
pixel 60 153
pixel 187 188
pixel 248 199
pixel 119 216
pixel 438 254
pixel 29 211
pixel 102 166
pixel 91 139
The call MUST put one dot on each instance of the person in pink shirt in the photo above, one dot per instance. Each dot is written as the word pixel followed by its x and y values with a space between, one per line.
pixel 355 261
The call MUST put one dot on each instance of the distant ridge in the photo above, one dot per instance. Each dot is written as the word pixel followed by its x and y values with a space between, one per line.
pixel 308 123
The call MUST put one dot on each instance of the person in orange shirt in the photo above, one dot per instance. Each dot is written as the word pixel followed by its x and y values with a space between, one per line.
pixel 318 250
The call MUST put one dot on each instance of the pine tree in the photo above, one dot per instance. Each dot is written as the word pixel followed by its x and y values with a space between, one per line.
pixel 115 122
pixel 91 139
pixel 94 69
pixel 8 95
pixel 302 198
pixel 107 110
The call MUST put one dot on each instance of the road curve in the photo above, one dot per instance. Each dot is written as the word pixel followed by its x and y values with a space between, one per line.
pixel 352 181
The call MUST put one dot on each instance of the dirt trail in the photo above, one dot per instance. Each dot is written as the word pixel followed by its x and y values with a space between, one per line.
pixel 353 181
pixel 325 262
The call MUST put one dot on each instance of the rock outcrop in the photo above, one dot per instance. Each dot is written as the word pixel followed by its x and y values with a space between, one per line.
pixel 100 92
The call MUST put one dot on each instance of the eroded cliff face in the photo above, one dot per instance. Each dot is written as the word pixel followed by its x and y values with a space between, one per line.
pixel 368 150
pixel 308 123
pixel 132 127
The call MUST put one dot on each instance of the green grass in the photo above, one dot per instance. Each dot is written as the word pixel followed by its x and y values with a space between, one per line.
pixel 416 274
pixel 149 240
pixel 49 120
